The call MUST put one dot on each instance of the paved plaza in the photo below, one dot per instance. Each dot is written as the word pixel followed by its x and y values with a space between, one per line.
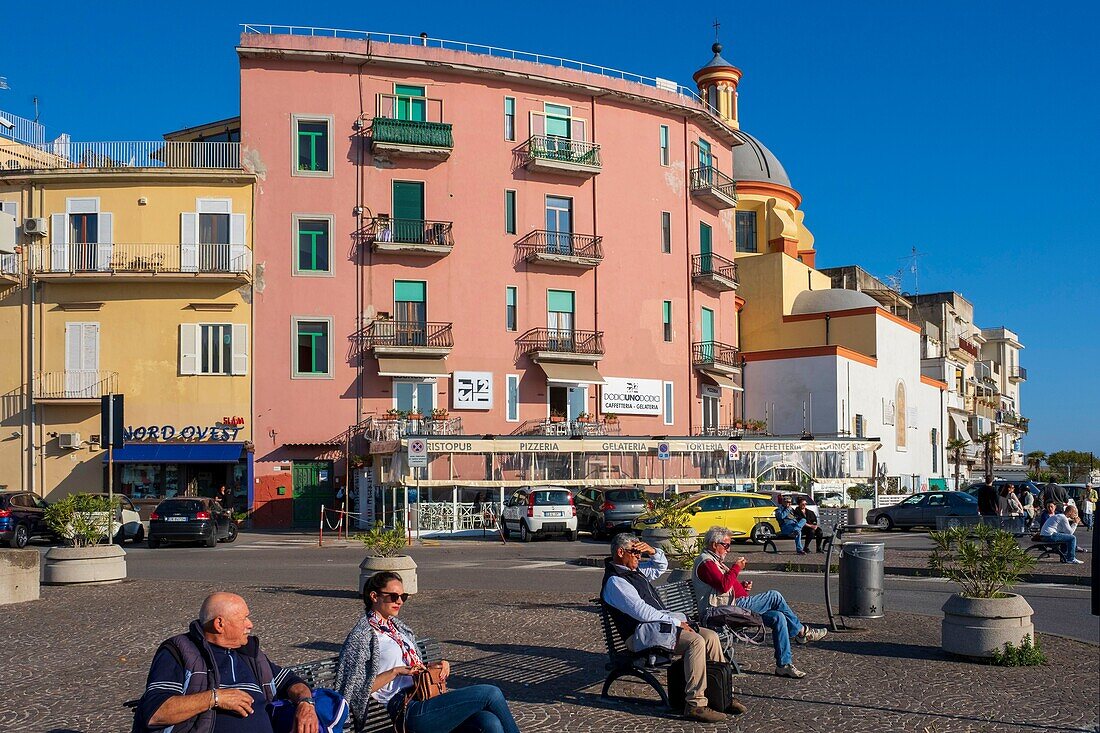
pixel 75 655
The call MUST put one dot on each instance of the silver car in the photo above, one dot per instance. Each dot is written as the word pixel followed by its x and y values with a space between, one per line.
pixel 540 510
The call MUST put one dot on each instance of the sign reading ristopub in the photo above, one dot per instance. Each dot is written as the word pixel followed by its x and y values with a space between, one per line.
pixel 622 395
pixel 473 391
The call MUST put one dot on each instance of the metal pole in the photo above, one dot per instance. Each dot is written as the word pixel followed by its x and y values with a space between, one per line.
pixel 828 565
pixel 408 515
pixel 111 467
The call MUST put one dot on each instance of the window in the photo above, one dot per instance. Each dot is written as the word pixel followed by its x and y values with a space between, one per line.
pixel 510 118
pixel 559 316
pixel 312 146
pixel 510 308
pixel 512 386
pixel 739 502
pixel 558 120
pixel 746 231
pixel 411 104
pixel 666 319
pixel 313 254
pixel 710 412
pixel 313 347
pixel 666 232
pixel 861 426
pixel 81 359
pixel 509 212
pixel 408 211
pixel 669 414
pixel 83 228
pixel 212 238
pixel 935 450
pixel 664 145
pixel 414 395
pixel 213 349
pixel 559 225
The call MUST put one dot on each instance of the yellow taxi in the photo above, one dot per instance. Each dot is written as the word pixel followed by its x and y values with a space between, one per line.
pixel 752 515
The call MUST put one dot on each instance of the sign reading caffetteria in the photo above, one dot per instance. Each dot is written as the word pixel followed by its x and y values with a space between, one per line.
pixel 632 396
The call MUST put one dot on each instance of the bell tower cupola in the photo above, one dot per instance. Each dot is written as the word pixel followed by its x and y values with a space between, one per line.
pixel 717 83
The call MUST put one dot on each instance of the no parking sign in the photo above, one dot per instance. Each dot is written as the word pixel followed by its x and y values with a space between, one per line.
pixel 663 452
pixel 734 454
pixel 418 453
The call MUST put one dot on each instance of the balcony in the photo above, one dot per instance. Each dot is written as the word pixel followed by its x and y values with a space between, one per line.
pixel 1017 374
pixel 715 273
pixel 981 407
pixel 582 428
pixel 396 427
pixel 736 430
pixel 715 357
pixel 409 236
pixel 561 155
pixel 561 249
pixel 554 344
pixel 411 138
pixel 100 156
pixel 965 348
pixel 713 187
pixel 387 337
pixel 74 386
pixel 141 262
pixel 11 269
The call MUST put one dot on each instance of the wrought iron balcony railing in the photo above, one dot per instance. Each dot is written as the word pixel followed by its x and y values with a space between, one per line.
pixel 563 244
pixel 384 427
pixel 709 180
pixel 384 231
pixel 565 341
pixel 580 428
pixel 705 353
pixel 143 154
pixel 390 333
pixel 412 132
pixel 562 150
pixel 74 384
pixel 140 258
pixel 712 264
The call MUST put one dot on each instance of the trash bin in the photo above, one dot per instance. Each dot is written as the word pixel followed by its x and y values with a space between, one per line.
pixel 861 579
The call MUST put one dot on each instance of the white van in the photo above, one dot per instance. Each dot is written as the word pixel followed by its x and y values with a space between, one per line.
pixel 540 510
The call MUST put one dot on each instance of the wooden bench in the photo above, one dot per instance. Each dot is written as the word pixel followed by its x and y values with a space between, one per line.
pixel 322 673
pixel 770 540
pixel 677 597
pixel 1043 549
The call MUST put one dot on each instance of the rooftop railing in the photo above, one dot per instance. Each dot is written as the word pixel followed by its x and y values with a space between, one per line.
pixel 22 130
pixel 153 258
pixel 568 244
pixel 63 155
pixel 474 48
pixel 561 340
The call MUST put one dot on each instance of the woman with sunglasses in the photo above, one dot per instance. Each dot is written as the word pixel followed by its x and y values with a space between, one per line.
pixel 380 658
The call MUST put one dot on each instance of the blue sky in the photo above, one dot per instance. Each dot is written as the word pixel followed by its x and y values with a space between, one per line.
pixel 966 130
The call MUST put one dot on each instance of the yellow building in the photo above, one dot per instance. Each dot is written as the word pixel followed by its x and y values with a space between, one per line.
pixel 132 276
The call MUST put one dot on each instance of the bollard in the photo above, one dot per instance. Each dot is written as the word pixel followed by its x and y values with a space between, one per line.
pixel 862 592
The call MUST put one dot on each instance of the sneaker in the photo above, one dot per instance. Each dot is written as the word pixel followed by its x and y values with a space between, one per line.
pixel 736 707
pixel 808 635
pixel 703 714
pixel 1076 561
pixel 789 670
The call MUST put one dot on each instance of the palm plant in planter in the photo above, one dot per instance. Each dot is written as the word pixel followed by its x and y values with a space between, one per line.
pixel 81 521
pixel 982 618
pixel 667 525
pixel 386 551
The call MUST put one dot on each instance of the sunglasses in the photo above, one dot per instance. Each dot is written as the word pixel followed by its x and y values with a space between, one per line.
pixel 725 544
pixel 634 552
pixel 393 597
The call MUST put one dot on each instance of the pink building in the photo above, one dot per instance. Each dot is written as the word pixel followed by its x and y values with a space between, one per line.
pixel 457 244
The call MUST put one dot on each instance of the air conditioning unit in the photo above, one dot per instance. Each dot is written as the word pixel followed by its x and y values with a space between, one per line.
pixel 69 440
pixel 36 226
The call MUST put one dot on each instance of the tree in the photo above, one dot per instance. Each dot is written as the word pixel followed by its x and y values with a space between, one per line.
pixel 956 448
pixel 1070 464
pixel 990 450
pixel 1035 460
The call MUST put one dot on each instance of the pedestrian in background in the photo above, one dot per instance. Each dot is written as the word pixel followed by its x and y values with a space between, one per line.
pixel 1027 501
pixel 1052 492
pixel 987 499
pixel 1088 505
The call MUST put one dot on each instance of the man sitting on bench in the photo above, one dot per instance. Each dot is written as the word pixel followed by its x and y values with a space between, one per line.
pixel 811 530
pixel 1059 529
pixel 789 524
pixel 630 599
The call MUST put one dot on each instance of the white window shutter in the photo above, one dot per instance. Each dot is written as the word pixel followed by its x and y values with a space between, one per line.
pixel 189 348
pixel 578 130
pixel 105 239
pixel 11 207
pixel 189 242
pixel 237 249
pixel 90 355
pixel 59 238
pixel 538 124
pixel 240 349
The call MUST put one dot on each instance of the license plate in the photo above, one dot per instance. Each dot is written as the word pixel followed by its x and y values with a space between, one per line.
pixel 553 514
pixel 176 519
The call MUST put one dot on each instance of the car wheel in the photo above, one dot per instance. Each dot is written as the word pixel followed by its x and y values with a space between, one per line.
pixel 761 532
pixel 20 537
pixel 140 536
pixel 884 523
pixel 953 522
pixel 212 540
pixel 153 542
pixel 232 534
pixel 573 536
pixel 525 535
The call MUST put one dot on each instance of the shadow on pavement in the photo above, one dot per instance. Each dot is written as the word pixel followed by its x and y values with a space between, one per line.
pixel 536 674
pixel 888 649
pixel 322 646
pixel 315 592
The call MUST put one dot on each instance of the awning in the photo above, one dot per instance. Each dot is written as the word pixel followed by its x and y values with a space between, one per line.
pixel 723 381
pixel 960 427
pixel 178 453
pixel 563 373
pixel 391 367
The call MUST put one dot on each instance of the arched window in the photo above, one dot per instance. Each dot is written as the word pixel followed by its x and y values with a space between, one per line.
pixel 899 416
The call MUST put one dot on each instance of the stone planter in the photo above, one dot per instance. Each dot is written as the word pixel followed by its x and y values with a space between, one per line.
pixel 18 576
pixel 75 565
pixel 403 565
pixel 976 627
pixel 659 537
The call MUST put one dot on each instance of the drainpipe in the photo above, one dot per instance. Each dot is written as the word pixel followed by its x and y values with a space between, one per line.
pixel 31 408
pixel 595 270
pixel 827 319
pixel 690 290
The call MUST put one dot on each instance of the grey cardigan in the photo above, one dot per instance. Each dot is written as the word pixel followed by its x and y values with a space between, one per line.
pixel 359 665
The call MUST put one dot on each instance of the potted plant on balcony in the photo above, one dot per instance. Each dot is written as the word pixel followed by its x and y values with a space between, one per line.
pixel 394 414
pixel 81 521
pixel 386 552
pixel 439 413
pixel 557 416
pixel 414 414
pixel 981 619
pixel 610 418
pixel 586 417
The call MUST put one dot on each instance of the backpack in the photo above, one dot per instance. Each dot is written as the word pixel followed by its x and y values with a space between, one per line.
pixel 743 624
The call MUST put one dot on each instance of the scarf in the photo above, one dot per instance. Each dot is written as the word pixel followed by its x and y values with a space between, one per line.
pixel 409 654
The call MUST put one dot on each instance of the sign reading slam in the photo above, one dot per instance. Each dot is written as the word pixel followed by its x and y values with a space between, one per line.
pixel 631 396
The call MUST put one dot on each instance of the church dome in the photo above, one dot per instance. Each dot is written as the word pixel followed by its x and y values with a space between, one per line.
pixel 754 162
pixel 826 301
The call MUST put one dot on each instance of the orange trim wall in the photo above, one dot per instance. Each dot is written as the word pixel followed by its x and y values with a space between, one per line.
pixel 933 382
pixel 808 351
pixel 764 188
pixel 853 312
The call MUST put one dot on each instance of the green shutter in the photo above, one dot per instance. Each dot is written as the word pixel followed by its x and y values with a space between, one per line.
pixel 510 212
pixel 510 296
pixel 559 301
pixel 410 291
pixel 408 200
pixel 667 311
pixel 409 108
pixel 704 239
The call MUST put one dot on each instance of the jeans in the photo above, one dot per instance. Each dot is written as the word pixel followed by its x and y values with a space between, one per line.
pixel 473 709
pixel 778 617
pixel 1087 519
pixel 794 528
pixel 1068 542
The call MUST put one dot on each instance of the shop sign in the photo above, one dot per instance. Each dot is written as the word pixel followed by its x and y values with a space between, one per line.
pixel 217 433
pixel 232 422
pixel 473 391
pixel 622 395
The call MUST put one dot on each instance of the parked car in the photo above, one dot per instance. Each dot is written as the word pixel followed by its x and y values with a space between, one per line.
pixel 1075 492
pixel 605 511
pixel 191 520
pixel 22 517
pixel 752 515
pixel 921 510
pixel 540 511
pixel 127 520
pixel 1031 486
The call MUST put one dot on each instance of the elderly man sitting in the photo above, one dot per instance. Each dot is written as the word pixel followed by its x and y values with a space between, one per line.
pixel 630 600
pixel 790 525
pixel 717 584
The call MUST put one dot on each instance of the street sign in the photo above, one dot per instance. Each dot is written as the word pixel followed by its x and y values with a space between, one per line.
pixel 111 420
pixel 662 451
pixel 733 452
pixel 418 453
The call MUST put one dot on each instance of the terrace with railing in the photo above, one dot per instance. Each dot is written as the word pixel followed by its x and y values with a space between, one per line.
pixel 716 356
pixel 966 346
pixel 562 249
pixel 22 130
pixel 552 154
pixel 11 268
pixel 1017 374
pixel 561 341
pixel 164 261
pixel 410 236
pixel 396 427
pixel 712 186
pixel 66 155
pixel 714 272
pixel 581 428
pixel 74 385
pixel 410 126
pixel 396 336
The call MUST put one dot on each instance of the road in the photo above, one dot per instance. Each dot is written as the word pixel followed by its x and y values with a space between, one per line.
pixel 285 559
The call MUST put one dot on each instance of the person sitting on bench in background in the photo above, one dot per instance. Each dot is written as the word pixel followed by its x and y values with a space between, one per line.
pixel 630 599
pixel 717 584
pixel 789 524
pixel 811 530
pixel 1060 528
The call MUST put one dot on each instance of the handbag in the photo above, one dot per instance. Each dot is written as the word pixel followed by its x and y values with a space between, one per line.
pixel 428 684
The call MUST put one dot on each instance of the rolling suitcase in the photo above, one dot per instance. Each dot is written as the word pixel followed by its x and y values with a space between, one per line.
pixel 719 685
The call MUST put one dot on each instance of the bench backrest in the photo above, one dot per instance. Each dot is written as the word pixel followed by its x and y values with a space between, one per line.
pixel 680 597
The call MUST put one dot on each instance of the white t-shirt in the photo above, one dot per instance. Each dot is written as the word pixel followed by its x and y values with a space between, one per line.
pixel 389 653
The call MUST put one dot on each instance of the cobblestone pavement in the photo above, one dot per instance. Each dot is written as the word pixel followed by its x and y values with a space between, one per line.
pixel 73 657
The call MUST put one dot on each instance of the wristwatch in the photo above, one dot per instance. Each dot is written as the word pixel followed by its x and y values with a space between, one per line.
pixel 308 701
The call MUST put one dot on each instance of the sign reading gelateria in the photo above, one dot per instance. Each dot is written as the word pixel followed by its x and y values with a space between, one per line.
pixel 632 396
pixel 220 433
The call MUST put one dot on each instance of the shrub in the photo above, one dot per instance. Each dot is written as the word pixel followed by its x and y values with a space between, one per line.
pixel 81 520
pixel 382 542
pixel 984 560
pixel 1027 654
